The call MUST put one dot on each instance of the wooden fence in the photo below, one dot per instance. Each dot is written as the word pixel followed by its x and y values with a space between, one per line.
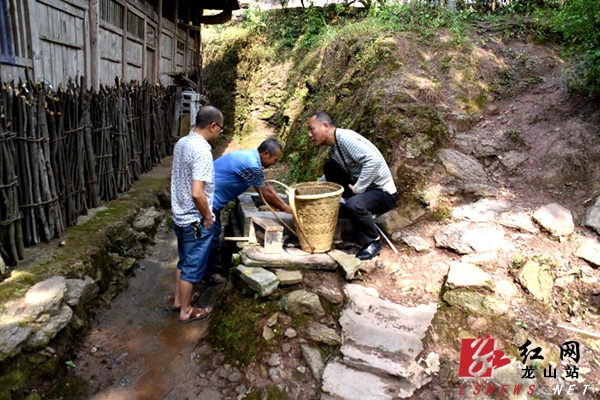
pixel 63 152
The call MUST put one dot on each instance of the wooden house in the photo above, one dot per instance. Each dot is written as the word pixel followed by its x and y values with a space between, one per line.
pixel 55 40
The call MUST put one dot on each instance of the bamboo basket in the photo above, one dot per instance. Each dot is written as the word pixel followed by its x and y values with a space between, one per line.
pixel 315 208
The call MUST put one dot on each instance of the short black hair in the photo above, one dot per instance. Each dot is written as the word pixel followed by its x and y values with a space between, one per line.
pixel 207 115
pixel 270 145
pixel 322 116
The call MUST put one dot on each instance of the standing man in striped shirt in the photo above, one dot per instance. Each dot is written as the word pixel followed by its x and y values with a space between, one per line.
pixel 357 165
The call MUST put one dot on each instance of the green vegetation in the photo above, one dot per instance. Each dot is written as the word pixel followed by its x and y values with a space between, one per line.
pixel 235 326
pixel 578 24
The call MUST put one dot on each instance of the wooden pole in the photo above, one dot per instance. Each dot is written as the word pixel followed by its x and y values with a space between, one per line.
pixel 158 40
pixel 94 55
pixel 175 36
pixel 198 65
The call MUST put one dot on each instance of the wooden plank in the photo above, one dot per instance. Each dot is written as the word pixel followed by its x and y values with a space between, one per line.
pixel 65 6
pixel 32 18
pixel 23 62
pixel 124 43
pixel 144 49
pixel 269 232
pixel 58 62
pixel 61 43
pixel 157 53
pixel 93 35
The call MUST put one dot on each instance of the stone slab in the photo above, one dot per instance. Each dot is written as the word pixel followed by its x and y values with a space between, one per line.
pixel 343 382
pixel 348 263
pixel 288 277
pixel 383 363
pixel 254 256
pixel 374 322
pixel 259 279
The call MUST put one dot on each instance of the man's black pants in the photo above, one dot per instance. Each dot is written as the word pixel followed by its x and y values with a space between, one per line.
pixel 360 208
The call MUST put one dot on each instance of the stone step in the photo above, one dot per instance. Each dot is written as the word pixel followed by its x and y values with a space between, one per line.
pixel 343 382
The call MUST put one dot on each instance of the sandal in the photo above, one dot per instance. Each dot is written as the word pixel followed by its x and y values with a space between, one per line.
pixel 197 314
pixel 215 279
pixel 195 297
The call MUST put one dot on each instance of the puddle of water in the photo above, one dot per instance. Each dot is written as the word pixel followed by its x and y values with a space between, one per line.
pixel 137 349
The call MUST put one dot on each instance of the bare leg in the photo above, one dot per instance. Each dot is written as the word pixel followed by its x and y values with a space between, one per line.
pixel 185 293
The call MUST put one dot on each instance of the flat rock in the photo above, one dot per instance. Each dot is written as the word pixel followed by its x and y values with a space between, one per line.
pixel 294 258
pixel 288 277
pixel 268 333
pixel 349 264
pixel 464 239
pixel 462 166
pixel 416 242
pixel 330 293
pixel 484 210
pixel 374 322
pixel 479 189
pixel 46 331
pixel 506 289
pixel 463 275
pixel 476 302
pixel 488 145
pixel 486 258
pixel 147 221
pixel 555 219
pixel 81 291
pixel 384 364
pixel 518 220
pixel 343 382
pixel 513 160
pixel 12 338
pixel 314 360
pixel 259 279
pixel 320 333
pixel 591 218
pixel 590 252
pixel 303 302
pixel 45 297
pixel 537 280
pixel 400 217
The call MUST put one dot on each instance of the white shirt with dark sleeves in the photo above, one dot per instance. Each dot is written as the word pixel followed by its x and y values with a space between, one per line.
pixel 363 162
pixel 192 161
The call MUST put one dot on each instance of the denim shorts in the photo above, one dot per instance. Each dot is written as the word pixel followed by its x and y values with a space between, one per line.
pixel 193 247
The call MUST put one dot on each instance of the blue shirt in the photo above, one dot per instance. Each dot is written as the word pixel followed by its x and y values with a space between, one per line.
pixel 235 172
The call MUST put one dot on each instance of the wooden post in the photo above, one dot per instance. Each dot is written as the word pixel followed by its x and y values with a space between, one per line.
pixel 158 46
pixel 34 38
pixel 145 49
pixel 198 66
pixel 175 36
pixel 124 44
pixel 94 55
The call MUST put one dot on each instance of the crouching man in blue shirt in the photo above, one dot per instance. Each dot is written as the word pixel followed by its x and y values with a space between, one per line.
pixel 235 172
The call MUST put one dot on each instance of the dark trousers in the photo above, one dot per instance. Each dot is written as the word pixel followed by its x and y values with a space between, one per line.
pixel 360 208
pixel 212 266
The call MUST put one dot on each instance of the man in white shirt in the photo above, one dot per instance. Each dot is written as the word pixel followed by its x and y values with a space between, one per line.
pixel 192 192
pixel 357 165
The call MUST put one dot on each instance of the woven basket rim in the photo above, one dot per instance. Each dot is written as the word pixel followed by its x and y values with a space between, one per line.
pixel 336 192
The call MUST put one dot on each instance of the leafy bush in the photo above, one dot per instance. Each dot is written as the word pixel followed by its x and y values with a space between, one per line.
pixel 579 23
